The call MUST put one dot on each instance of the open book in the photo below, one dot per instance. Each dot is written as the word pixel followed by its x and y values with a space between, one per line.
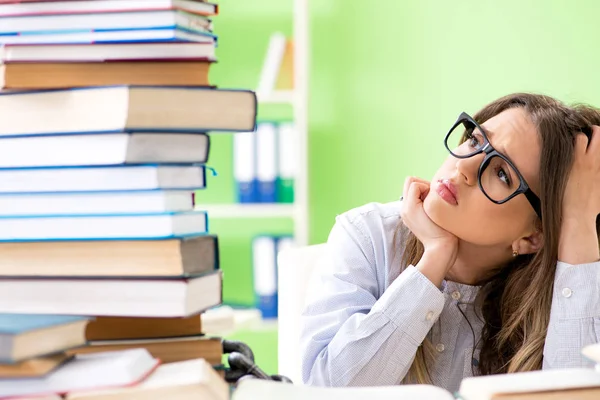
pixel 574 383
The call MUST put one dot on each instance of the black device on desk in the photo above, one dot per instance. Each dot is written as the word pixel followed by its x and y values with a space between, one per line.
pixel 242 365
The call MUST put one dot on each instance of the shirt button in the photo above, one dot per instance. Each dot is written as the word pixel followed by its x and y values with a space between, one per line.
pixel 566 292
pixel 429 316
pixel 440 347
pixel 456 295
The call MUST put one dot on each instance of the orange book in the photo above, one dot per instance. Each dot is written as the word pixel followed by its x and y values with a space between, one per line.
pixel 78 74
pixel 121 328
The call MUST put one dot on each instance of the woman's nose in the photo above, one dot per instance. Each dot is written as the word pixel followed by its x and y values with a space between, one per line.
pixel 469 168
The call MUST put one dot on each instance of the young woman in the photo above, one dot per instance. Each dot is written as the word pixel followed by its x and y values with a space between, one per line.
pixel 491 267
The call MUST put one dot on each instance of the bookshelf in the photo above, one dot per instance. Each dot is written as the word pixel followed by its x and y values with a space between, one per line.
pixel 298 100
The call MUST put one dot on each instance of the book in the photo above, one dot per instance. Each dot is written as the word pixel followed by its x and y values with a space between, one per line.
pixel 104 149
pixel 101 258
pixel 244 167
pixel 264 272
pixel 107 52
pixel 28 7
pixel 129 20
pixel 80 203
pixel 287 161
pixel 120 328
pixel 127 297
pixel 266 162
pixel 48 75
pixel 33 367
pixel 167 349
pixel 102 226
pixel 86 372
pixel 102 179
pixel 173 34
pixel 577 384
pixel 126 108
pixel 193 379
pixel 26 336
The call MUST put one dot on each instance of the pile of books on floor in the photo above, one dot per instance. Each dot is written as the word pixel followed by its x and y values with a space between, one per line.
pixel 105 266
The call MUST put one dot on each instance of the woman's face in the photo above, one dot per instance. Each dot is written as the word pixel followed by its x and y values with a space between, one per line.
pixel 473 217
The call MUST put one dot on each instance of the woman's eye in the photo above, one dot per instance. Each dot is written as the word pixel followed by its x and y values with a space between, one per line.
pixel 503 176
pixel 475 140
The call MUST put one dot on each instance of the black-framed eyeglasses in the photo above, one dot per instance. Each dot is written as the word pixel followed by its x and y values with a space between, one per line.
pixel 498 178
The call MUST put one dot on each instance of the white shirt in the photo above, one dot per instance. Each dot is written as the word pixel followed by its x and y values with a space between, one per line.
pixel 363 323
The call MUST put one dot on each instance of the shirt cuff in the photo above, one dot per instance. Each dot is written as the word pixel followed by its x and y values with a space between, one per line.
pixel 412 303
pixel 576 289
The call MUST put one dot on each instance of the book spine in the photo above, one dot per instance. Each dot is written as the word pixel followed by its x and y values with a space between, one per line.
pixel 286 162
pixel 265 275
pixel 266 167
pixel 244 167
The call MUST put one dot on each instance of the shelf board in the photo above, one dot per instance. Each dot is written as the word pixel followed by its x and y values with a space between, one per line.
pixel 248 210
pixel 277 97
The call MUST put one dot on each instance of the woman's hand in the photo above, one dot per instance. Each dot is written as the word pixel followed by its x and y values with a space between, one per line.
pixel 581 203
pixel 440 245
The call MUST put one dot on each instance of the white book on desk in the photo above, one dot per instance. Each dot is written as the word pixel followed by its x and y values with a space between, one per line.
pixel 86 372
pixel 103 226
pixel 131 202
pixel 573 383
pixel 102 179
pixel 104 149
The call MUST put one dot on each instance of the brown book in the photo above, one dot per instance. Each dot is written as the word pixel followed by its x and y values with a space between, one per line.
pixel 34 367
pixel 174 257
pixel 62 75
pixel 121 328
pixel 168 350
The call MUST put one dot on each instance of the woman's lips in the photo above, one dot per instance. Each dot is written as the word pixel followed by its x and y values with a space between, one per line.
pixel 447 191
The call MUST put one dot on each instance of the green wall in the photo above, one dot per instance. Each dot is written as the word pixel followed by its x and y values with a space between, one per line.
pixel 388 77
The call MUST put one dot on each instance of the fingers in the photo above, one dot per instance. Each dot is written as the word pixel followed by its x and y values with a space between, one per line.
pixel 408 181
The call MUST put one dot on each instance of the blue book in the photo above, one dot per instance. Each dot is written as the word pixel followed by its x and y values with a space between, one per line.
pixel 100 109
pixel 168 35
pixel 244 167
pixel 114 21
pixel 264 258
pixel 24 336
pixel 266 167
pixel 102 179
pixel 103 227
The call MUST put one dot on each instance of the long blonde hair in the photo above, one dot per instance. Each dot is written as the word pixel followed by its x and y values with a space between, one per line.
pixel 515 303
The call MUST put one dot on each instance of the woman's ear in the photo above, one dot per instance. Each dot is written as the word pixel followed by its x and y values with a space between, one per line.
pixel 530 244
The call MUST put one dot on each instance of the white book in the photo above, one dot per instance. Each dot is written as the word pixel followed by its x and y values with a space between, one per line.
pixel 477 388
pixel 106 52
pixel 84 6
pixel 271 65
pixel 287 142
pixel 141 202
pixel 103 149
pixel 192 379
pixel 93 179
pixel 99 226
pixel 85 372
pixel 105 21
pixel 136 35
pixel 164 297
pixel 114 109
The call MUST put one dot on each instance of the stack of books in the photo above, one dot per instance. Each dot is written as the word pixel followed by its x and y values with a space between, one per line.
pixel 103 140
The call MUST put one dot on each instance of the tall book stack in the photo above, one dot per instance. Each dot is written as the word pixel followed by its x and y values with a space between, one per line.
pixel 103 140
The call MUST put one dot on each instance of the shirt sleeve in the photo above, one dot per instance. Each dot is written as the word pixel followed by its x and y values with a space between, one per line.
pixel 349 336
pixel 574 316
